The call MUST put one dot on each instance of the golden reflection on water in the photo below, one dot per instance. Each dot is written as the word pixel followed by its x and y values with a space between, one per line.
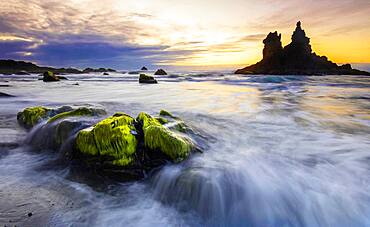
pixel 221 99
pixel 340 109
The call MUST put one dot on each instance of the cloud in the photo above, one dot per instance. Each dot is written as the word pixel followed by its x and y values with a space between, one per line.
pixel 118 31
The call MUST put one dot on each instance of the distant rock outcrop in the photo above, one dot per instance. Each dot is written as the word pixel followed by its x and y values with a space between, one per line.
pixel 296 58
pixel 144 68
pixel 99 70
pixel 160 72
pixel 24 68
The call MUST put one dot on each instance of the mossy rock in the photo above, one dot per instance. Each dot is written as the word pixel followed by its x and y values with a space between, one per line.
pixel 158 137
pixel 79 112
pixel 112 139
pixel 49 76
pixel 31 116
pixel 143 78
pixel 165 113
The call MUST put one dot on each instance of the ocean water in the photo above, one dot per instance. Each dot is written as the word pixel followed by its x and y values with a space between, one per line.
pixel 278 151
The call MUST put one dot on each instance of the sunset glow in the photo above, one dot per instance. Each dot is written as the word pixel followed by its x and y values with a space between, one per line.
pixel 128 34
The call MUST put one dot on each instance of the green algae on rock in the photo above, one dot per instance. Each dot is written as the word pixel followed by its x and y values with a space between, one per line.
pixel 82 111
pixel 165 113
pixel 30 116
pixel 112 138
pixel 158 137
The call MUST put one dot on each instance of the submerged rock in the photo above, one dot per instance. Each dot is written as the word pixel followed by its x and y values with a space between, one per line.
pixel 146 79
pixel 82 111
pixel 296 58
pixel 160 72
pixel 3 95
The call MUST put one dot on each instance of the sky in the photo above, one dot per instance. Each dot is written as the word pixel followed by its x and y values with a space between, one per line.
pixel 128 34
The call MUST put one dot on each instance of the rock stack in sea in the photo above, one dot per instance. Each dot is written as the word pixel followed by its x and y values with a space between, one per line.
pixel 296 58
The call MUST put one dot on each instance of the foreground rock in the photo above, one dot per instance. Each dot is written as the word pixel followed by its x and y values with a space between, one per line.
pixel 296 58
pixel 119 146
pixel 160 72
pixel 146 79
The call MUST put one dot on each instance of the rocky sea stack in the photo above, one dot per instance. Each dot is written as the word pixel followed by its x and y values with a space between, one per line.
pixel 296 58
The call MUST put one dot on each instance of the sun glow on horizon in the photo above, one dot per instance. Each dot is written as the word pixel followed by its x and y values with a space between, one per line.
pixel 178 33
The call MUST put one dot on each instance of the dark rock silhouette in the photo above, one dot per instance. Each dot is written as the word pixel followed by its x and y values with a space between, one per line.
pixel 160 72
pixel 24 68
pixel 99 70
pixel 296 58
pixel 144 68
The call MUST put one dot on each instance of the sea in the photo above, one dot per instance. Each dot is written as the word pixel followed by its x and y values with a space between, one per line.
pixel 277 151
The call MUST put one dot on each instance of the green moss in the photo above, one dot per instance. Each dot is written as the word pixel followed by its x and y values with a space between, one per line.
pixel 112 138
pixel 82 111
pixel 30 116
pixel 158 137
pixel 176 147
pixel 166 114
pixel 161 120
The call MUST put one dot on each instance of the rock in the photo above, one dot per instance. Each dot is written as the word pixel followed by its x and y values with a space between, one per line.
pixel 4 95
pixel 144 68
pixel 100 70
pixel 29 214
pixel 147 79
pixel 160 72
pixel 165 113
pixel 113 140
pixel 296 58
pixel 105 74
pixel 31 116
pixel 50 77
pixel 133 72
pixel 120 146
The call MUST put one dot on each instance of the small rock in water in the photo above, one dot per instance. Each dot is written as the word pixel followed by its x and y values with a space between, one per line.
pixel 144 68
pixel 147 79
pixel 160 72
pixel 50 77
pixel 105 74
pixel 29 214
